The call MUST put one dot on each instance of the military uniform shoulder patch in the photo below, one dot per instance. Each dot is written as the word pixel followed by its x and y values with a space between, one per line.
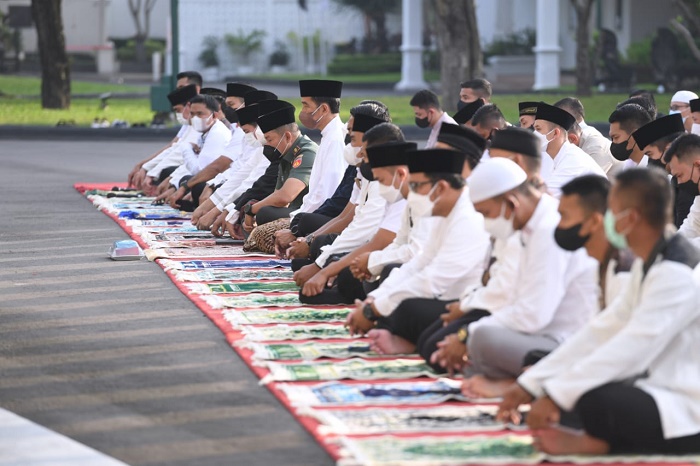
pixel 297 161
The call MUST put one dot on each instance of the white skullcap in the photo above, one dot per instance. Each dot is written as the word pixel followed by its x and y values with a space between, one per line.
pixel 684 96
pixel 494 177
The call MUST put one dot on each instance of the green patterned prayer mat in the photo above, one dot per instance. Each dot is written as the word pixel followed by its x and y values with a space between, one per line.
pixel 357 369
pixel 253 300
pixel 389 450
pixel 451 418
pixel 260 316
pixel 295 332
pixel 311 351
pixel 233 275
pixel 250 287
pixel 330 394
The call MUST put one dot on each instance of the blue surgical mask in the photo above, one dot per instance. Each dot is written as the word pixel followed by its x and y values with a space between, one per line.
pixel 618 240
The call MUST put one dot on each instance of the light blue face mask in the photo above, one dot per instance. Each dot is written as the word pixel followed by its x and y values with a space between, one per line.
pixel 618 240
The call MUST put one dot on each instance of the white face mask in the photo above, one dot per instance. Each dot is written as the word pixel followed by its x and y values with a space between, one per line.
pixel 695 129
pixel 420 204
pixel 201 124
pixel 181 119
pixel 250 139
pixel 389 192
pixel 673 112
pixel 350 154
pixel 543 140
pixel 500 227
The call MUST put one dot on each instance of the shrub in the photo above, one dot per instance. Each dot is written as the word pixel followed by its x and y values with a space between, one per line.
pixel 517 43
pixel 365 64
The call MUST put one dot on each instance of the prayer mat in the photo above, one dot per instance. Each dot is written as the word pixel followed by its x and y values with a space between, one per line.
pixel 295 332
pixel 160 223
pixel 259 316
pixel 253 300
pixel 219 251
pixel 154 215
pixel 452 418
pixel 165 230
pixel 425 450
pixel 223 264
pixel 249 287
pixel 180 235
pixel 388 450
pixel 233 275
pixel 158 246
pixel 366 394
pixel 355 369
pixel 310 351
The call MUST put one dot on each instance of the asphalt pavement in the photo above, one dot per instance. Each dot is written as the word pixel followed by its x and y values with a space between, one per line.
pixel 109 353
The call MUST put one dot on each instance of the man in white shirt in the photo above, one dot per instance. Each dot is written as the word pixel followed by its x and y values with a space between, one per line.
pixel 683 158
pixel 631 375
pixel 372 228
pixel 184 78
pixel 592 141
pixel 213 139
pixel 680 104
pixel 320 104
pixel 429 114
pixel 568 161
pixel 453 258
pixel 553 292
pixel 624 121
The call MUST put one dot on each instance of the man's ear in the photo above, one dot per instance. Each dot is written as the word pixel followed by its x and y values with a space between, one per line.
pixel 592 224
pixel 573 139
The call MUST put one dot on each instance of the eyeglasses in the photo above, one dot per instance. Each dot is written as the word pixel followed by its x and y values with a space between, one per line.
pixel 414 185
pixel 679 106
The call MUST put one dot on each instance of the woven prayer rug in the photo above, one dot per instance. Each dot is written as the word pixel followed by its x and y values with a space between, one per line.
pixel 267 328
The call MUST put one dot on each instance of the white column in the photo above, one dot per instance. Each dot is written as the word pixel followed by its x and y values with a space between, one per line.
pixel 547 49
pixel 412 47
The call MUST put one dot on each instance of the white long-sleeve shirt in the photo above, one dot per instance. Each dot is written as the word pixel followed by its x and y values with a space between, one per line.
pixel 370 209
pixel 212 145
pixel 172 156
pixel 570 162
pixel 409 242
pixel 503 273
pixel 435 130
pixel 691 225
pixel 554 292
pixel 651 331
pixel 595 144
pixel 452 260
pixel 329 166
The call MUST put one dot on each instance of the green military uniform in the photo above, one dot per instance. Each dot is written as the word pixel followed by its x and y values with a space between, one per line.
pixel 297 163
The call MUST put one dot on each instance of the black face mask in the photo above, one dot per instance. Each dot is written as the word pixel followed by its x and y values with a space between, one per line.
pixel 569 239
pixel 271 153
pixel 656 163
pixel 231 115
pixel 619 150
pixel 366 171
pixel 690 188
pixel 347 139
pixel 461 105
pixel 422 122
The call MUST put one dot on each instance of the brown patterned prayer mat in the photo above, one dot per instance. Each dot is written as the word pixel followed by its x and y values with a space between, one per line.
pixel 262 238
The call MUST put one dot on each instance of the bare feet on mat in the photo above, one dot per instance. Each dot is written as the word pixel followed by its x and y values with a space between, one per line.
pixel 557 441
pixel 384 342
pixel 479 386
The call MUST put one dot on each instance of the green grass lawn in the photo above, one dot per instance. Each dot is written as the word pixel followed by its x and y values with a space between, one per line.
pixel 82 112
pixel 346 78
pixel 28 86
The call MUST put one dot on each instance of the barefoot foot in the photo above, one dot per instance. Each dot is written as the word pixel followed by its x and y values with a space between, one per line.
pixel 556 441
pixel 384 342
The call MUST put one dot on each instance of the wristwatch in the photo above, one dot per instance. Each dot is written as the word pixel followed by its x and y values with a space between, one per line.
pixel 369 314
pixel 462 334
pixel 309 240
pixel 248 210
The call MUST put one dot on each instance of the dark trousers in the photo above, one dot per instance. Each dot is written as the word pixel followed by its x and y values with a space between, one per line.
pixel 304 224
pixel 196 191
pixel 427 343
pixel 164 173
pixel 351 288
pixel 627 418
pixel 410 319
pixel 314 250
pixel 269 214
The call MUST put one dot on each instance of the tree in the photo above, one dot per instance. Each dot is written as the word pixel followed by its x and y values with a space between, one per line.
pixel 584 68
pixel 139 8
pixel 460 46
pixel 55 69
pixel 375 11
pixel 690 14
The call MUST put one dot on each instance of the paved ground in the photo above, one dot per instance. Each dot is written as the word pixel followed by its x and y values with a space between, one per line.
pixel 110 353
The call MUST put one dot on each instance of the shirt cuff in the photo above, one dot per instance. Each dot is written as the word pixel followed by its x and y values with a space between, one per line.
pixel 374 264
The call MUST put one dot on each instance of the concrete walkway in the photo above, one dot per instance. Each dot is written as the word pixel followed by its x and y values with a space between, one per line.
pixel 111 354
